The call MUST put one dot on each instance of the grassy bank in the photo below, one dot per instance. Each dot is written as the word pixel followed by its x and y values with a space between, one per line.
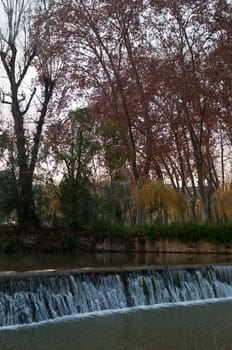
pixel 13 238
pixel 217 233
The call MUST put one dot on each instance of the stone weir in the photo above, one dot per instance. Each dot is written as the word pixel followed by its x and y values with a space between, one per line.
pixel 31 297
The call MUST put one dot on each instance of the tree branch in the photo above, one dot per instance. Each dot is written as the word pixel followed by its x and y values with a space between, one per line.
pixel 3 97
pixel 26 66
pixel 49 85
pixel 29 102
pixel 4 62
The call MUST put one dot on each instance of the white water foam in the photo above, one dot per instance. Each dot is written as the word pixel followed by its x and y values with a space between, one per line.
pixel 37 301
pixel 108 313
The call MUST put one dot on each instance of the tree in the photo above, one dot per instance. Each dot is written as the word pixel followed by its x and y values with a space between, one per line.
pixel 47 202
pixel 187 38
pixel 166 203
pixel 223 204
pixel 220 60
pixel 114 146
pixel 7 194
pixel 73 144
pixel 20 51
pixel 154 69
pixel 109 37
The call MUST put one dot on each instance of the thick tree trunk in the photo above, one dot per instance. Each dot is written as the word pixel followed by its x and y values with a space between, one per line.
pixel 25 200
pixel 26 208
pixel 16 64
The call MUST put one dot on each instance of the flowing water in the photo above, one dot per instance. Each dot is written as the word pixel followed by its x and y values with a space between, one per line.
pixel 189 327
pixel 139 308
pixel 29 298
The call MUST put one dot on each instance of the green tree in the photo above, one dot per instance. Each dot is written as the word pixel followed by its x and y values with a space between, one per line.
pixel 115 154
pixel 8 193
pixel 76 201
pixel 47 202
pixel 73 144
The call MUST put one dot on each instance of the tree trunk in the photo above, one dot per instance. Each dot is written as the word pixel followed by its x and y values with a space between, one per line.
pixel 205 203
pixel 26 208
pixel 16 63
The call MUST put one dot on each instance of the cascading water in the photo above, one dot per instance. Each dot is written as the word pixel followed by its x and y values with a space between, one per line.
pixel 39 298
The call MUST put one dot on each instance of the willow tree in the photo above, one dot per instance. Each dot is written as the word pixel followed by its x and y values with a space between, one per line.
pixel 26 88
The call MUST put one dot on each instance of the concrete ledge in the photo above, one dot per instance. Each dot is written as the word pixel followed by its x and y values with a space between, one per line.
pixel 12 275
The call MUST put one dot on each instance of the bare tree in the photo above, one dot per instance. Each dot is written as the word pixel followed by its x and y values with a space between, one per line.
pixel 19 55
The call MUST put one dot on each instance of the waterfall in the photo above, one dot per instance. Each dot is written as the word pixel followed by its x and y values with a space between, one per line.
pixel 24 300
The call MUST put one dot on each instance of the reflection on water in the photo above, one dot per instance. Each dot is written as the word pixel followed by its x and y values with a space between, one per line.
pixel 196 327
pixel 25 262
pixel 72 260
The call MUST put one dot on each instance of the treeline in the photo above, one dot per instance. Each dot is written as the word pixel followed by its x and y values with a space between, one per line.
pixel 105 204
pixel 153 143
pixel 93 187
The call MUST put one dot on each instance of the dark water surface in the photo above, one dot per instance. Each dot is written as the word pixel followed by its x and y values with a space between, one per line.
pixel 72 260
pixel 176 327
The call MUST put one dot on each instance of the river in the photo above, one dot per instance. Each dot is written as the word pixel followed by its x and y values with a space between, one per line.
pixel 71 260
pixel 205 326
pixel 194 325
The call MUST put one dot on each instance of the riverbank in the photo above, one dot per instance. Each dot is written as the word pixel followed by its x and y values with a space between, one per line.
pixel 208 238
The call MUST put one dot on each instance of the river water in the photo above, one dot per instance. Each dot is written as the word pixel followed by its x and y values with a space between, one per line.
pixel 205 326
pixel 182 326
pixel 28 262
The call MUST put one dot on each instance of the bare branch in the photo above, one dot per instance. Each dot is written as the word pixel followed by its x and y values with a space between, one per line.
pixel 26 67
pixel 29 102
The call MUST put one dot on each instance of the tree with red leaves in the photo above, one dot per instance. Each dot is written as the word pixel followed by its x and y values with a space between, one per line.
pixel 148 67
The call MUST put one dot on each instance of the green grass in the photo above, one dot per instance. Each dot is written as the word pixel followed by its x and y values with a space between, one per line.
pixel 58 239
pixel 189 232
